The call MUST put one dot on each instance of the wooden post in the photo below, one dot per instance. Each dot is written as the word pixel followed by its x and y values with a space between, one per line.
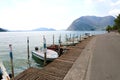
pixel 73 39
pixel 80 37
pixel 53 39
pixel 77 38
pixel 66 39
pixel 45 49
pixel 59 45
pixel 70 37
pixel 60 39
pixel 28 51
pixel 45 58
pixel 11 60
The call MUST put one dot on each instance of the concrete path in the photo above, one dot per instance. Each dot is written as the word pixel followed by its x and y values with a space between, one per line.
pixel 79 68
pixel 100 60
pixel 105 63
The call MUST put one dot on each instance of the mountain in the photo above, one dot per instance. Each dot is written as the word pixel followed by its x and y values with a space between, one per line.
pixel 88 23
pixel 44 29
pixel 3 30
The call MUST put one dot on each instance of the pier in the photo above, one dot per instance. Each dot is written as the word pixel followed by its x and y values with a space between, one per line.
pixel 57 69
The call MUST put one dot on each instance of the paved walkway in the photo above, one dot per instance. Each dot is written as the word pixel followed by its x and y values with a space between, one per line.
pixel 105 62
pixel 79 68
pixel 100 60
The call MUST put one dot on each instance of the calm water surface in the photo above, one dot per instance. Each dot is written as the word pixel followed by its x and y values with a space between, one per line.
pixel 19 44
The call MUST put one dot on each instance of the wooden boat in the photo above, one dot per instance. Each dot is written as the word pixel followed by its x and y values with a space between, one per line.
pixel 56 48
pixel 3 73
pixel 53 47
pixel 50 54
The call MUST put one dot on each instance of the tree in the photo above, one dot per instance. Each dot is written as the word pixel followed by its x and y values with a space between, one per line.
pixel 114 27
pixel 119 30
pixel 109 28
pixel 117 23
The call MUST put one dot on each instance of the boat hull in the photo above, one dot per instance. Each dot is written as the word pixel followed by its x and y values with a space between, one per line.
pixel 40 55
pixel 3 73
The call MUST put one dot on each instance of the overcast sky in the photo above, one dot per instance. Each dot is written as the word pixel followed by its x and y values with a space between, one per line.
pixel 57 14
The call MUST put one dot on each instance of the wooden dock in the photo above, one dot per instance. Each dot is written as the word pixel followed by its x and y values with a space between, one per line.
pixel 57 69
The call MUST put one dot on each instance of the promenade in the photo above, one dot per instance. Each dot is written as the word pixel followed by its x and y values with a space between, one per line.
pixel 100 60
pixel 105 59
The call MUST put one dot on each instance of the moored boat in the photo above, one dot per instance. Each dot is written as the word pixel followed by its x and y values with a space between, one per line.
pixel 53 47
pixel 3 73
pixel 45 54
pixel 50 54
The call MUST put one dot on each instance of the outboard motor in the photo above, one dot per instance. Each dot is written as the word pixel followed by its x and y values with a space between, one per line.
pixel 36 49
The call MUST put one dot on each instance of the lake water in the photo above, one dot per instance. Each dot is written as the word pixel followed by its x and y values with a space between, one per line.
pixel 19 45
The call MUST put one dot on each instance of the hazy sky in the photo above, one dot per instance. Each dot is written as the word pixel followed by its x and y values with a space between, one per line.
pixel 58 14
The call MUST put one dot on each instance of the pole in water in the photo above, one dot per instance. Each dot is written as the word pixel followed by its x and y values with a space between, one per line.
pixel 44 58
pixel 80 38
pixel 66 39
pixel 70 37
pixel 53 39
pixel 60 39
pixel 77 38
pixel 11 60
pixel 73 38
pixel 59 45
pixel 45 49
pixel 28 51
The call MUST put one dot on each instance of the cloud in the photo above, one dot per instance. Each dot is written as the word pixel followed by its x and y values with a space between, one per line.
pixel 117 3
pixel 35 13
pixel 106 7
pixel 114 12
pixel 115 8
pixel 29 14
pixel 95 1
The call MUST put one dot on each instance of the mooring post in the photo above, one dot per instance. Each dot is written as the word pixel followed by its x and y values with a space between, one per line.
pixel 11 60
pixel 44 58
pixel 77 38
pixel 28 51
pixel 70 37
pixel 80 38
pixel 73 39
pixel 45 49
pixel 60 40
pixel 59 45
pixel 66 39
pixel 53 39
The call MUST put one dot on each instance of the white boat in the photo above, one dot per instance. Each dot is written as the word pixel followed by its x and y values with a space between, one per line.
pixel 3 73
pixel 50 54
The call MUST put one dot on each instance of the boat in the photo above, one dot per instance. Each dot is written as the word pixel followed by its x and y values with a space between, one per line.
pixel 50 54
pixel 56 48
pixel 3 73
pixel 40 54
pixel 53 47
